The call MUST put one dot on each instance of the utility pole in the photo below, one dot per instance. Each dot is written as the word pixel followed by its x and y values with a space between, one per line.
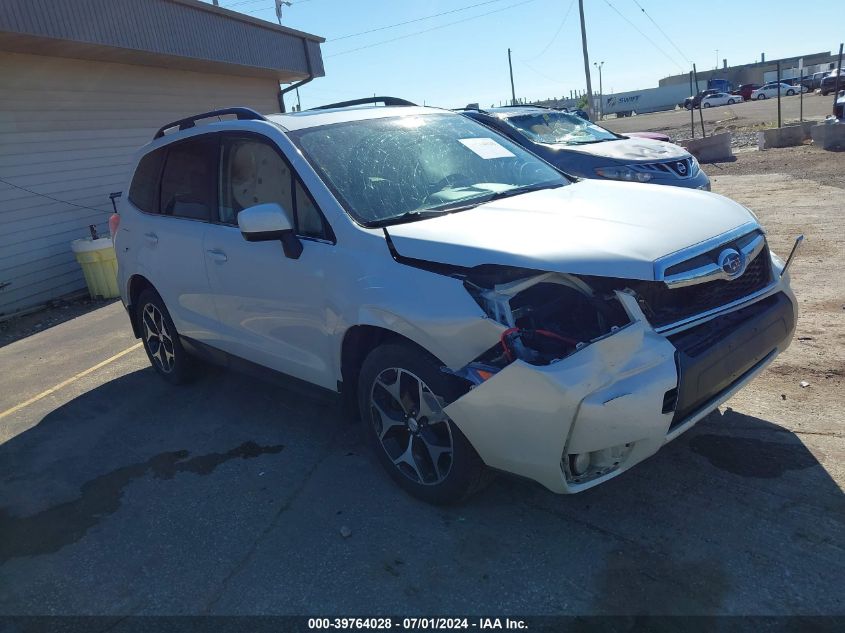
pixel 601 91
pixel 717 59
pixel 586 61
pixel 513 91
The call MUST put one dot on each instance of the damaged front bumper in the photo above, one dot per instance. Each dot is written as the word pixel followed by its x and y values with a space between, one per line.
pixel 586 418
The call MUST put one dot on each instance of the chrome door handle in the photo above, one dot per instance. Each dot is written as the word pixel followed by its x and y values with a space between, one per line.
pixel 152 238
pixel 218 256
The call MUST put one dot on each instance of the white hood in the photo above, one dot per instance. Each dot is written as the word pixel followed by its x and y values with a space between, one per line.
pixel 591 228
pixel 632 149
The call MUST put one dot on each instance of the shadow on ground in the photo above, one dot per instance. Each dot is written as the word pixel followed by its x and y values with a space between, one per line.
pixel 229 495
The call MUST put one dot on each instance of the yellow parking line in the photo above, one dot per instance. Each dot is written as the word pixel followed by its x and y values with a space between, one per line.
pixel 65 383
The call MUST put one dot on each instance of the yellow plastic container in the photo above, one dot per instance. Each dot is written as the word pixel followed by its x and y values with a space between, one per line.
pixel 99 265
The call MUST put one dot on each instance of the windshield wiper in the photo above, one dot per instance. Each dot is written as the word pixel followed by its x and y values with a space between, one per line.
pixel 408 216
pixel 463 205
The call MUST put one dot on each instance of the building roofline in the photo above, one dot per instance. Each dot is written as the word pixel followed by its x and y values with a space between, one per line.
pixel 229 13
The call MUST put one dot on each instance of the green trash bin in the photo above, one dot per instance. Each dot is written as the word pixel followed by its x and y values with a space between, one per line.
pixel 99 265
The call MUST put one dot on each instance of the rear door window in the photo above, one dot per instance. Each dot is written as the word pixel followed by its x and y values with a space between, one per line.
pixel 143 192
pixel 189 181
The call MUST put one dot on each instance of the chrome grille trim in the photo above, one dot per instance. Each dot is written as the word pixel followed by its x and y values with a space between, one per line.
pixel 662 264
pixel 668 167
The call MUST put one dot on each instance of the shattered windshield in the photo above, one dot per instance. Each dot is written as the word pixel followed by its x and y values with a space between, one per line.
pixel 559 127
pixel 399 169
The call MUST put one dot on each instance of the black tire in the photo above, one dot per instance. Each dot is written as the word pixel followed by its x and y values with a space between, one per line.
pixel 455 476
pixel 161 340
pixel 705 105
pixel 790 93
pixel 731 102
pixel 761 97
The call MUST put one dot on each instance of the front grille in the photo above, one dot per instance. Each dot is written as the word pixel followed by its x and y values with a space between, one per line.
pixel 663 305
pixel 681 168
pixel 714 356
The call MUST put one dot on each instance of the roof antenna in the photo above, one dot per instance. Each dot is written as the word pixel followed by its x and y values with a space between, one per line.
pixel 279 4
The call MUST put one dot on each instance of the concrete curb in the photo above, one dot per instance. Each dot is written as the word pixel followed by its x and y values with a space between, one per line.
pixel 786 136
pixel 710 149
pixel 829 136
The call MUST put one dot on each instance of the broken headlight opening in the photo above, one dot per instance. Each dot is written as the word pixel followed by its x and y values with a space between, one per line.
pixel 546 316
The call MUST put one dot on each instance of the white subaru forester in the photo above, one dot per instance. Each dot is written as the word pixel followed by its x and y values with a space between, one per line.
pixel 479 307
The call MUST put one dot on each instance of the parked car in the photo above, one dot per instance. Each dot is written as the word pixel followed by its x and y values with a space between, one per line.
pixel 478 307
pixel 828 83
pixel 720 99
pixel 693 102
pixel 586 150
pixel 745 91
pixel 813 81
pixel 770 91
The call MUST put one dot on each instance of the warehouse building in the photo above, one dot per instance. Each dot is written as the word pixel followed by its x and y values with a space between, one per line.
pixel 83 84
pixel 761 72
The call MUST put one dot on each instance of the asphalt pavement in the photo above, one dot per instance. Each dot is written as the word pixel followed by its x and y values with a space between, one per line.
pixel 120 494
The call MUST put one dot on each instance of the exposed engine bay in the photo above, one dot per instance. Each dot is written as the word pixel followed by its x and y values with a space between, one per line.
pixel 547 316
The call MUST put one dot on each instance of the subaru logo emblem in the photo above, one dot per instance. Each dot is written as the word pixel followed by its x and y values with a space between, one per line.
pixel 731 262
pixel 682 168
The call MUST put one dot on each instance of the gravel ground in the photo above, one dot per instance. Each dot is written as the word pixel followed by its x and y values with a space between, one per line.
pixel 806 162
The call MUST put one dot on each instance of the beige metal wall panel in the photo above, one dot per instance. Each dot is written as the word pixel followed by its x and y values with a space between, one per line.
pixel 68 129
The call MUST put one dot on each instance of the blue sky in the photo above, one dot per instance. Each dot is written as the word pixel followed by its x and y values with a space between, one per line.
pixel 455 63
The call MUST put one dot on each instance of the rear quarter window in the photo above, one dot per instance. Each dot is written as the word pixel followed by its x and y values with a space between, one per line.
pixel 143 192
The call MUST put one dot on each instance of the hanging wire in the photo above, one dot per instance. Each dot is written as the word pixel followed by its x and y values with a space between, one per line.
pixel 657 26
pixel 433 28
pixel 554 37
pixel 650 41
pixel 44 195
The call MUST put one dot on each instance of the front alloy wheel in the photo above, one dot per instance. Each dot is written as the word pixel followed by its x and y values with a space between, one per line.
pixel 411 426
pixel 402 392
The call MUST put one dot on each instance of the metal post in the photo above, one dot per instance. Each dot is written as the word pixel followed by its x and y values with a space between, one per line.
pixel 801 88
pixel 779 119
pixel 601 90
pixel 513 91
pixel 836 83
pixel 691 110
pixel 586 61
pixel 700 109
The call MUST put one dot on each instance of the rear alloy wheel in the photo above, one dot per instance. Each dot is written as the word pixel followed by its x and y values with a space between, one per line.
pixel 789 93
pixel 706 105
pixel 161 341
pixel 760 97
pixel 402 393
pixel 731 102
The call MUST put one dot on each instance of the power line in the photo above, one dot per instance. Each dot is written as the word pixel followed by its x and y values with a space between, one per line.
pixel 427 17
pixel 554 37
pixel 44 195
pixel 433 28
pixel 243 2
pixel 657 26
pixel 652 42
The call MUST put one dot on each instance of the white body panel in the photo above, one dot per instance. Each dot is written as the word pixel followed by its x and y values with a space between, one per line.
pixel 592 227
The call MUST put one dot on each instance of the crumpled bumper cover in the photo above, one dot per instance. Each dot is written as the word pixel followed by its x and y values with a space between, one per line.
pixel 608 399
